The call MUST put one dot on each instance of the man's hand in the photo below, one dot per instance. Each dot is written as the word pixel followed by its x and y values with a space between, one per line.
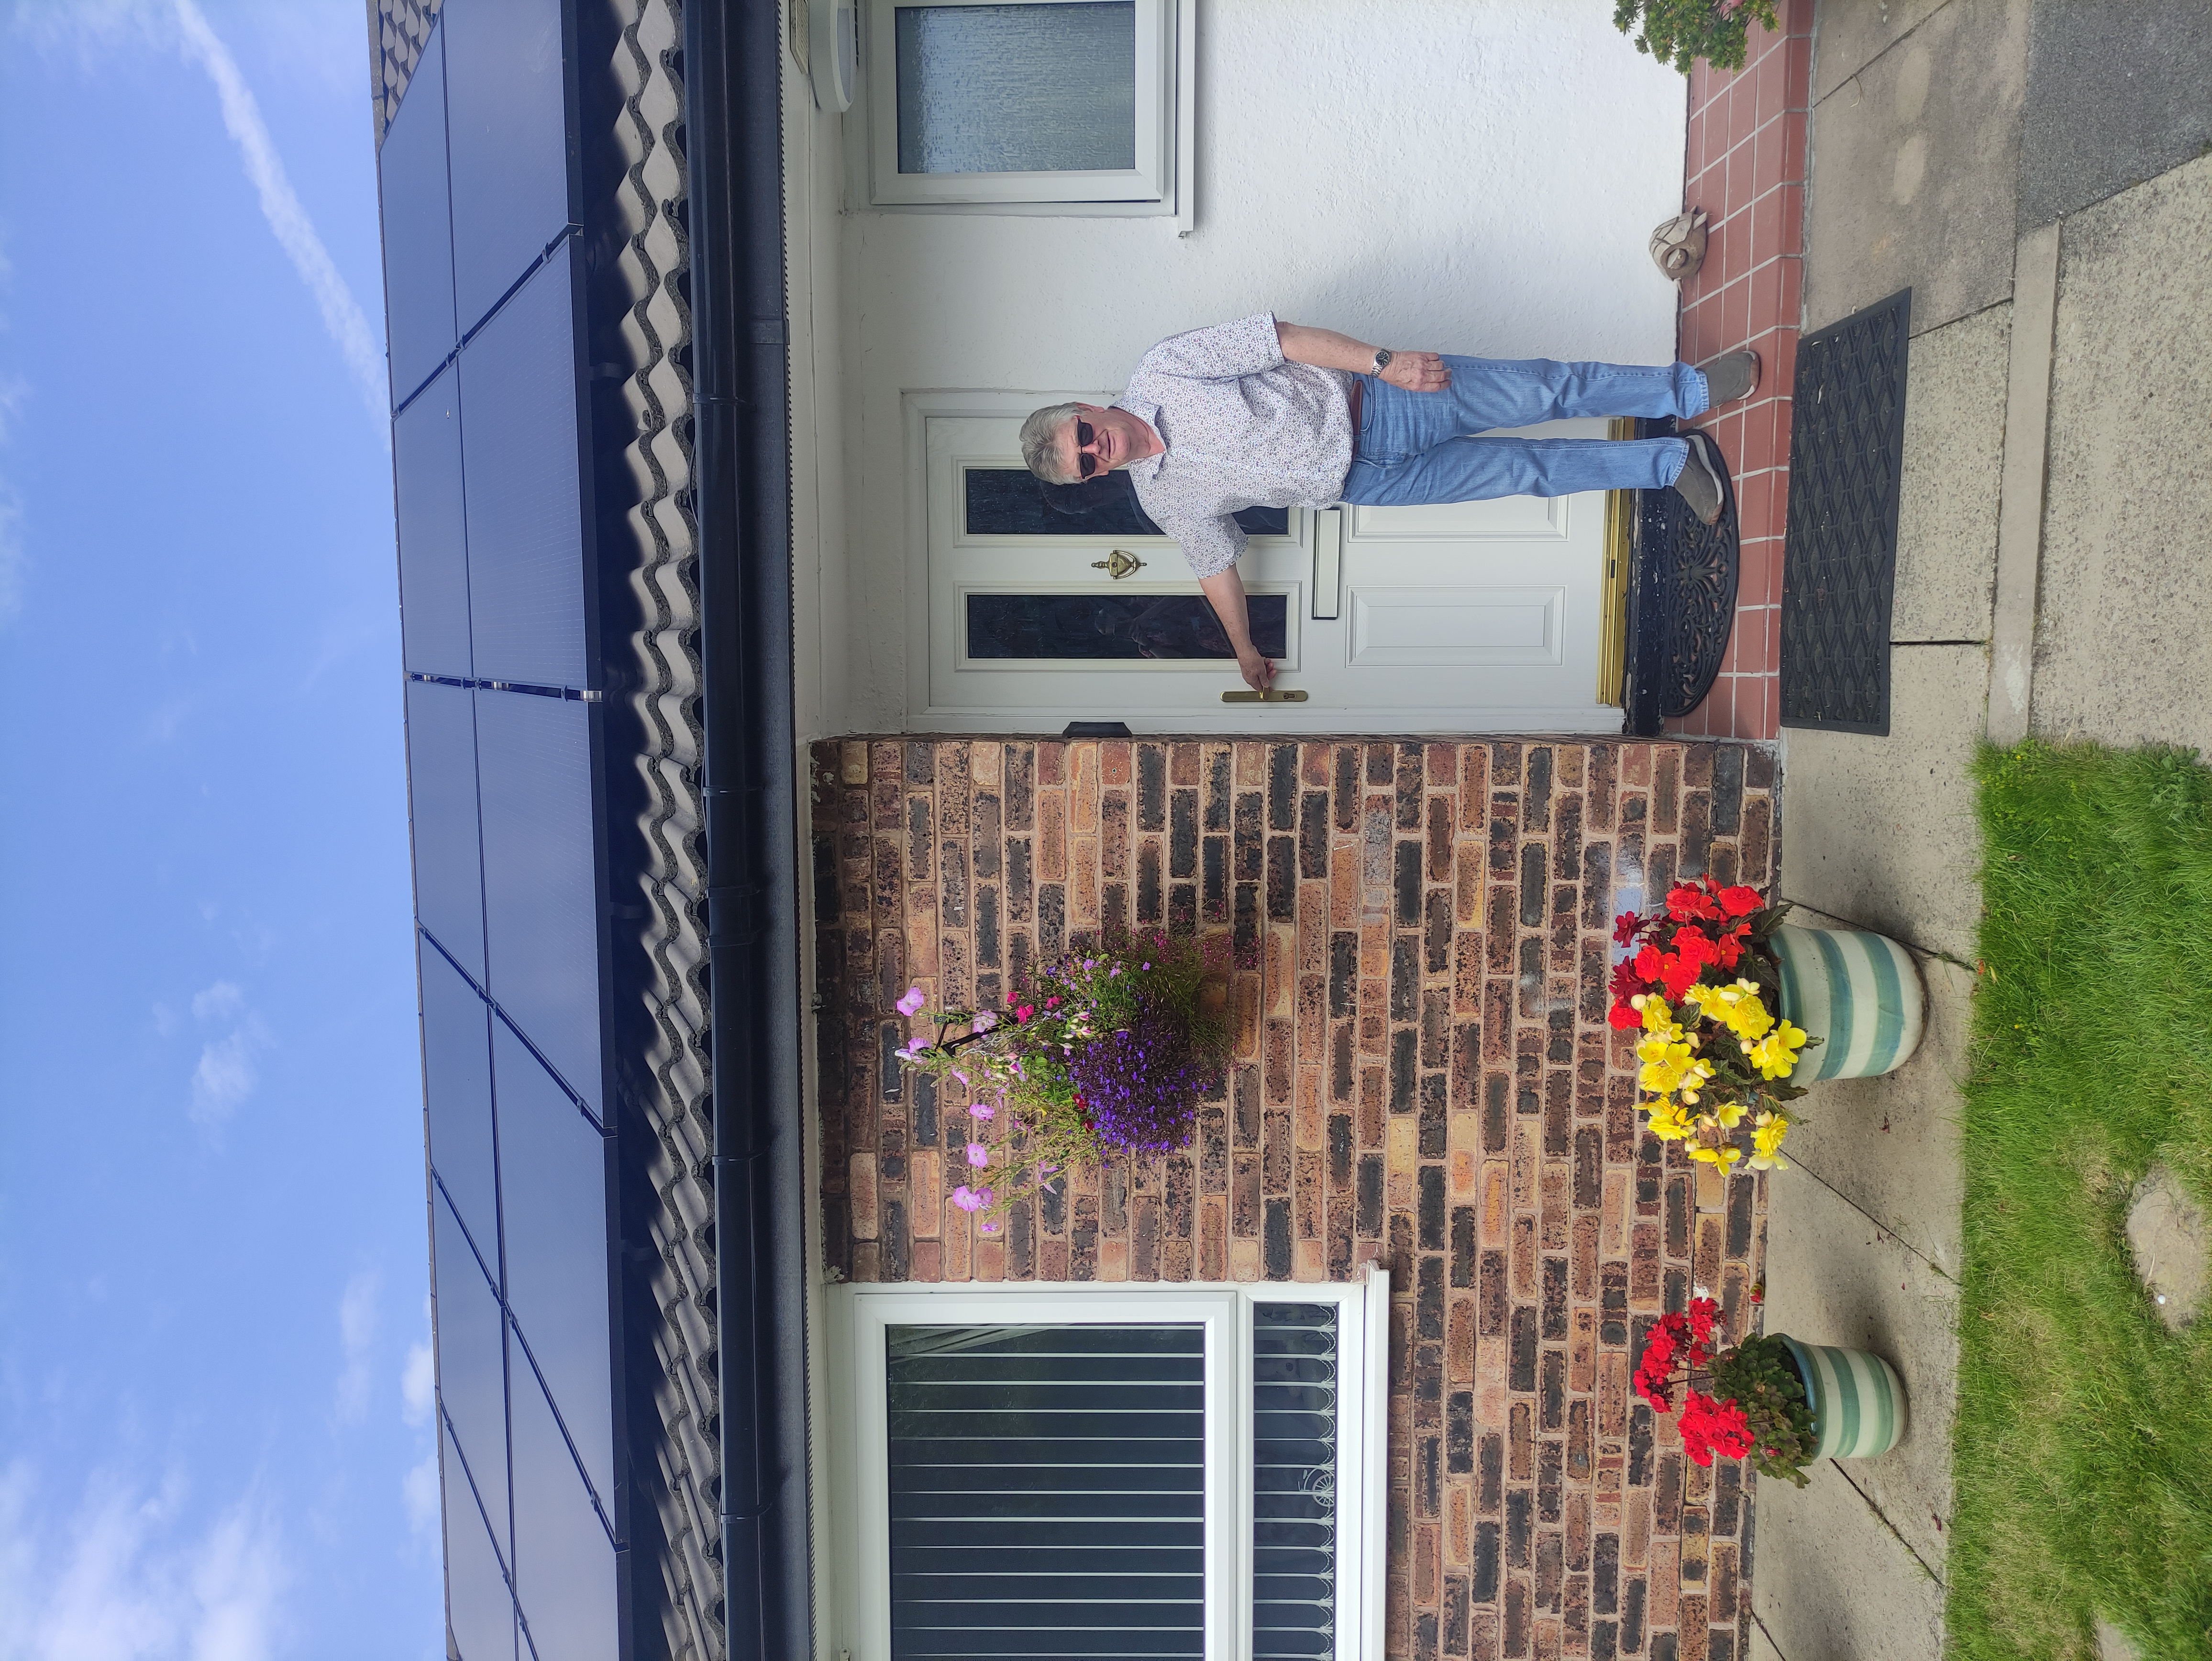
pixel 1418 372
pixel 1259 673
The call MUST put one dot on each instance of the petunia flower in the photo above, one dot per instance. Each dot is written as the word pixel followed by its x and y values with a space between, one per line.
pixel 983 1111
pixel 967 1198
pixel 910 1005
pixel 983 1022
pixel 978 1154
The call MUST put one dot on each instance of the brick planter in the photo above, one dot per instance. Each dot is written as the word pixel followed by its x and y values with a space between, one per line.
pixel 1424 1077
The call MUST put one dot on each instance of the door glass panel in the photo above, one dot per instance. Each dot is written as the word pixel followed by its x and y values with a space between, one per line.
pixel 1018 88
pixel 1293 1480
pixel 1047 1490
pixel 1092 627
pixel 1014 501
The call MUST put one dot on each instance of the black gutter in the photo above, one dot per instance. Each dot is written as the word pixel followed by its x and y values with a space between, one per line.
pixel 742 474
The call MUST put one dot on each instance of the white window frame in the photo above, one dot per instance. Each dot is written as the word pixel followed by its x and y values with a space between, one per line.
pixel 860 1468
pixel 1160 180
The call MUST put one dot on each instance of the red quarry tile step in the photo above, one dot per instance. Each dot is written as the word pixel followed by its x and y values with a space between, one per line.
pixel 1744 164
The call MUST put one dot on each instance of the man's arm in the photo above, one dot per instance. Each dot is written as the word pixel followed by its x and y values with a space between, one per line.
pixel 1225 591
pixel 1417 372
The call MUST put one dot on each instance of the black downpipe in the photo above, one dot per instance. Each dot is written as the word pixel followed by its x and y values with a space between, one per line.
pixel 741 458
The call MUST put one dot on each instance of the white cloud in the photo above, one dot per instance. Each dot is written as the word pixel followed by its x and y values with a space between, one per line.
pixel 419 1487
pixel 356 1335
pixel 343 318
pixel 129 1579
pixel 229 1066
pixel 419 1382
pixel 214 1003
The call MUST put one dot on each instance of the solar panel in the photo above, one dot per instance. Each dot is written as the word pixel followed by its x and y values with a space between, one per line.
pixel 541 884
pixel 457 1084
pixel 564 1563
pixel 506 110
pixel 434 549
pixel 418 236
pixel 553 1179
pixel 442 783
pixel 471 1365
pixel 477 1606
pixel 525 512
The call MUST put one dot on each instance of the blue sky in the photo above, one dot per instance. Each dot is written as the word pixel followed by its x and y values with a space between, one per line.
pixel 214 1431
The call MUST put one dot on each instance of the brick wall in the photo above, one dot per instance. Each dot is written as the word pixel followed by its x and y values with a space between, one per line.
pixel 1424 1077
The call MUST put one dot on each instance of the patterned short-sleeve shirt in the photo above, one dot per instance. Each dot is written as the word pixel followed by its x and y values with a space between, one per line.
pixel 1243 429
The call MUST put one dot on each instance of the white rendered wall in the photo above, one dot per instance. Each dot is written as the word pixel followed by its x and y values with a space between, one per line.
pixel 1475 176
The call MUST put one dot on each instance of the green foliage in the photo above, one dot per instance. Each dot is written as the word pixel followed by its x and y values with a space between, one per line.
pixel 1761 1378
pixel 1681 31
pixel 2083 1449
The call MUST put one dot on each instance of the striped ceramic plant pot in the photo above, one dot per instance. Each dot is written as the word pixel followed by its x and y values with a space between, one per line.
pixel 1860 992
pixel 1858 1400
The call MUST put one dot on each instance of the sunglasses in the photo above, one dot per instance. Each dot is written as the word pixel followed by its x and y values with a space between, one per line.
pixel 1084 437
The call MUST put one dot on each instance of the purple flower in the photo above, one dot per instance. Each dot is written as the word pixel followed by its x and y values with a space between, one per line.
pixel 978 1154
pixel 987 1225
pixel 1142 1085
pixel 982 1109
pixel 910 1005
pixel 984 1021
pixel 913 1048
pixel 967 1198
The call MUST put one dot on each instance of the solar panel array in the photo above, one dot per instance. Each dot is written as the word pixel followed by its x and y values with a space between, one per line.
pixel 478 180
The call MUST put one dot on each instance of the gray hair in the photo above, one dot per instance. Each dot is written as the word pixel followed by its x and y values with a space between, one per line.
pixel 1039 433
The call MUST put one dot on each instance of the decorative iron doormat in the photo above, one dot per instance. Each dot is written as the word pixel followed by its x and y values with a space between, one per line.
pixel 1681 601
pixel 1839 562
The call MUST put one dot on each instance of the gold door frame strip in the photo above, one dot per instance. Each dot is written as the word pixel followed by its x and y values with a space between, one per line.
pixel 1613 590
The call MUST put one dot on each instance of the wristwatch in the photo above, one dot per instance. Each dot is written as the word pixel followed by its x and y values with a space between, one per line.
pixel 1382 357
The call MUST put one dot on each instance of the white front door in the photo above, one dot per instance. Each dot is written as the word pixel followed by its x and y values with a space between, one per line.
pixel 1473 616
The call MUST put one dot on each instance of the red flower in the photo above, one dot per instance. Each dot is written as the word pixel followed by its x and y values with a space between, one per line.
pixel 1627 982
pixel 1678 973
pixel 1647 964
pixel 1625 928
pixel 1684 902
pixel 1623 1018
pixel 1738 901
pixel 1730 946
pixel 1024 1011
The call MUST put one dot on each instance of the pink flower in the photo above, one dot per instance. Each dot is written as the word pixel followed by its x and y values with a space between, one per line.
pixel 982 1109
pixel 984 1021
pixel 910 1005
pixel 978 1154
pixel 967 1198
pixel 987 1227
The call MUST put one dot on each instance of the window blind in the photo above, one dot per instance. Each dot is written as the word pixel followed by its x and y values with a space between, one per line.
pixel 1294 1353
pixel 1047 1490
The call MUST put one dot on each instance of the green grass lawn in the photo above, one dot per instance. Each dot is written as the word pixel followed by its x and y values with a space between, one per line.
pixel 2084 1441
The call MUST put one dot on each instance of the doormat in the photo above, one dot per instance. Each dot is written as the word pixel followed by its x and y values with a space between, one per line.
pixel 1681 598
pixel 1839 560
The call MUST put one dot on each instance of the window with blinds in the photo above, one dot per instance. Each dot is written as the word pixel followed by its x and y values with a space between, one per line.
pixel 1047 1491
pixel 1294 1365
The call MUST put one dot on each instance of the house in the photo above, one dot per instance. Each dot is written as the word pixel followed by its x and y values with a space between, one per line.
pixel 740 663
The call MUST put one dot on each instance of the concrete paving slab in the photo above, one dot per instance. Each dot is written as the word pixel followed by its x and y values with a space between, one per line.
pixel 1849 34
pixel 1911 190
pixel 2115 95
pixel 1946 508
pixel 1882 829
pixel 2123 638
pixel 1890 1146
pixel 1835 1277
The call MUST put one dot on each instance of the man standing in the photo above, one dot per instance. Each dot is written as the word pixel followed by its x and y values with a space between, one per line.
pixel 1262 414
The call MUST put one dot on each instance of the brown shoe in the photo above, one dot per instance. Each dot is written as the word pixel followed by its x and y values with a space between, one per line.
pixel 1731 376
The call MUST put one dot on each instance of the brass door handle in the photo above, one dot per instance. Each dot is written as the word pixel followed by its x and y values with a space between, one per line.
pixel 1272 694
pixel 1118 564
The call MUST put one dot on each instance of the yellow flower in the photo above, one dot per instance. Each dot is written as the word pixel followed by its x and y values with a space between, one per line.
pixel 1668 1123
pixel 1657 1017
pixel 1775 1055
pixel 1730 1114
pixel 1724 1156
pixel 1766 1142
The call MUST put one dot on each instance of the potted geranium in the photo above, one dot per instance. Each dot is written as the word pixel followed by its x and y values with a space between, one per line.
pixel 1106 1057
pixel 1700 984
pixel 1772 1401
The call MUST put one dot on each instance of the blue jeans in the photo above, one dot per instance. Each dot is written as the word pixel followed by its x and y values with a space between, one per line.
pixel 1416 447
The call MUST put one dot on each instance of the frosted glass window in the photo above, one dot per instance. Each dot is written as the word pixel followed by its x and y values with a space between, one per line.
pixel 1018 88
